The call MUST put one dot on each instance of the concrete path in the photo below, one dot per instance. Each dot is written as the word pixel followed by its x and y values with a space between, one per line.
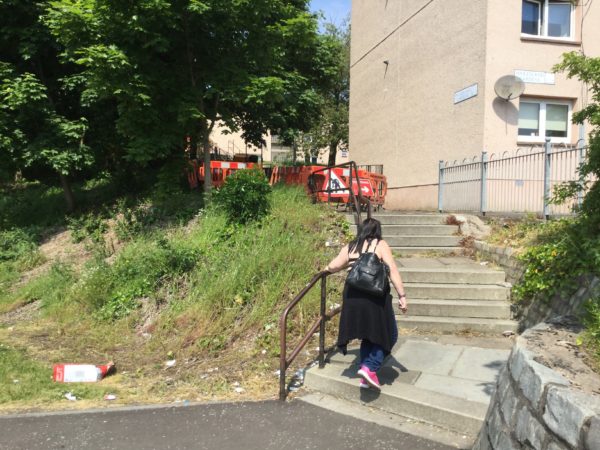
pixel 446 380
pixel 246 426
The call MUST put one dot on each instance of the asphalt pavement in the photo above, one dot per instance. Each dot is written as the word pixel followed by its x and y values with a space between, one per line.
pixel 222 426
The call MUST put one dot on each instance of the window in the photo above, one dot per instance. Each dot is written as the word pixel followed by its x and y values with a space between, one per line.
pixel 541 119
pixel 547 18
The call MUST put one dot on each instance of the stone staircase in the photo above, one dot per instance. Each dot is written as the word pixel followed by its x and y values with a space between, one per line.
pixel 447 294
pixel 417 233
pixel 451 346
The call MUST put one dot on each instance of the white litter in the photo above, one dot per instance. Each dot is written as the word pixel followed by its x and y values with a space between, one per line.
pixel 239 390
pixel 69 396
pixel 508 333
pixel 110 397
pixel 171 363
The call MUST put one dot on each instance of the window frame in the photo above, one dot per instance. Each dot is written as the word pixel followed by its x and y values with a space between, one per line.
pixel 543 21
pixel 543 103
pixel 540 16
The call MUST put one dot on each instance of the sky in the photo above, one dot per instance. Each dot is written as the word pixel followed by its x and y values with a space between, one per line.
pixel 335 10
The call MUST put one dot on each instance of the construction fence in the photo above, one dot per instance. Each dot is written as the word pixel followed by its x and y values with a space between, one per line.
pixel 519 182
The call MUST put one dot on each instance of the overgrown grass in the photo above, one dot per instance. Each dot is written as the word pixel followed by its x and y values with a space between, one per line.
pixel 23 380
pixel 204 289
pixel 556 254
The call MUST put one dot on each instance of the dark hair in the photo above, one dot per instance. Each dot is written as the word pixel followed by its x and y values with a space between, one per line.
pixel 368 230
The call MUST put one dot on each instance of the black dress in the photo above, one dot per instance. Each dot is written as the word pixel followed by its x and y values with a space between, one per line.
pixel 366 317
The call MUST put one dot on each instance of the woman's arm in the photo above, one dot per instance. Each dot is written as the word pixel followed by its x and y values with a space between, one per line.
pixel 339 262
pixel 388 258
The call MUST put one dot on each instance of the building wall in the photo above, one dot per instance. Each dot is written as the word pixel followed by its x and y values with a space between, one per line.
pixel 507 51
pixel 402 113
pixel 230 143
pixel 273 151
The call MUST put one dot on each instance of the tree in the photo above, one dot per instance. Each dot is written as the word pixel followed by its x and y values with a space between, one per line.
pixel 40 123
pixel 175 68
pixel 330 129
pixel 587 70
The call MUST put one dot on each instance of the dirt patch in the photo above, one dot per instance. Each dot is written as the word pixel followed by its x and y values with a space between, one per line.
pixel 557 349
pixel 59 246
pixel 24 313
pixel 56 247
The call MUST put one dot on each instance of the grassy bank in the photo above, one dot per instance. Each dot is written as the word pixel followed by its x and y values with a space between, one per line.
pixel 144 285
pixel 555 254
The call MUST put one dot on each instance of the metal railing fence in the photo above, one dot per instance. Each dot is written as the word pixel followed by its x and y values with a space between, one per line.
pixel 518 182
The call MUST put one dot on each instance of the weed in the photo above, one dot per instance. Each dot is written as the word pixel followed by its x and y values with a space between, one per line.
pixel 88 225
pixel 452 220
pixel 16 243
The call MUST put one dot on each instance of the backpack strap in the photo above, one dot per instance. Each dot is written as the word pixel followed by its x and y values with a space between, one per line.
pixel 375 248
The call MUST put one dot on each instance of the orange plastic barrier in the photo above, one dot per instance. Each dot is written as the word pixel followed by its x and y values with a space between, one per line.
pixel 315 179
pixel 337 180
pixel 219 171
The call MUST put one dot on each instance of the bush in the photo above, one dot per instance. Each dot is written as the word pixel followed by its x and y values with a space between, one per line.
pixel 564 251
pixel 245 196
pixel 89 225
pixel 16 243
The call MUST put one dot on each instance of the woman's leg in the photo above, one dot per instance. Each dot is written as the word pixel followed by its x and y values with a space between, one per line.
pixel 372 356
pixel 365 351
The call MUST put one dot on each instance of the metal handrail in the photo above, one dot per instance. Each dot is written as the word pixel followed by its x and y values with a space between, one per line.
pixel 357 201
pixel 324 317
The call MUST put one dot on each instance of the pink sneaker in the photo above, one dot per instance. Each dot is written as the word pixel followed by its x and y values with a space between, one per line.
pixel 369 377
pixel 363 384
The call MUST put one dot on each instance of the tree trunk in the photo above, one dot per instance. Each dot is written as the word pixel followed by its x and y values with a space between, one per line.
pixel 333 152
pixel 207 171
pixel 68 193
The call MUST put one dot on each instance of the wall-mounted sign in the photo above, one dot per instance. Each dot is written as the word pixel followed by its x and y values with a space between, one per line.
pixel 535 77
pixel 466 93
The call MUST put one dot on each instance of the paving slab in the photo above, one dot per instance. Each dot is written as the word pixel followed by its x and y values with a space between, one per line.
pixel 475 391
pixel 477 342
pixel 428 357
pixel 420 263
pixel 480 364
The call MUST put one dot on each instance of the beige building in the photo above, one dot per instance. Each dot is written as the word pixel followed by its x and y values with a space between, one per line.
pixel 274 152
pixel 422 83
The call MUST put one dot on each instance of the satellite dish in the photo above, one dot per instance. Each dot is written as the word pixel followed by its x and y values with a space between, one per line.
pixel 509 87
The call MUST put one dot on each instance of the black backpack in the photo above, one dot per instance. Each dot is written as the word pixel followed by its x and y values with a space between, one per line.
pixel 369 274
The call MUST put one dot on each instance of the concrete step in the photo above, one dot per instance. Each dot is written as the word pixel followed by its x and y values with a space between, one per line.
pixel 455 291
pixel 405 219
pixel 451 276
pixel 383 418
pixel 423 241
pixel 399 398
pixel 458 308
pixel 455 324
pixel 414 230
pixel 401 251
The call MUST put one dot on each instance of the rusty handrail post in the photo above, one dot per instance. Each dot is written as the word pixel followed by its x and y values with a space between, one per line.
pixel 323 322
pixel 329 188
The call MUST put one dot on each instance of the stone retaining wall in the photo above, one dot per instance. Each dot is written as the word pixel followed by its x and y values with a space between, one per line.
pixel 502 256
pixel 535 408
pixel 530 314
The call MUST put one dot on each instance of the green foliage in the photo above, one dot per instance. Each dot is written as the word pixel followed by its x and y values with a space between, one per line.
pixel 329 127
pixel 173 68
pixel 120 305
pixel 89 225
pixel 16 243
pixel 245 196
pixel 586 69
pixel 564 251
pixel 22 378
